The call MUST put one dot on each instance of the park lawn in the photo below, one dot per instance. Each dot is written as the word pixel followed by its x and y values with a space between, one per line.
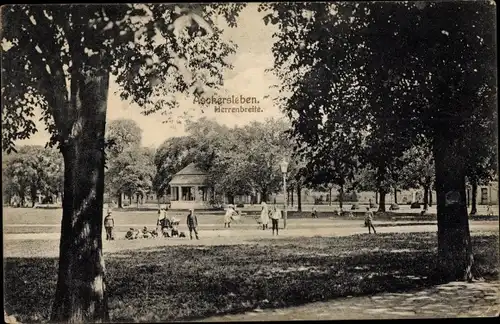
pixel 191 282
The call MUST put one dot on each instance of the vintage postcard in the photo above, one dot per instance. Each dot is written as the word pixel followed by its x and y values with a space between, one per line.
pixel 249 161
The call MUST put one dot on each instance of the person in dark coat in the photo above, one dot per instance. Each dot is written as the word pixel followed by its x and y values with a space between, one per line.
pixel 192 224
pixel 109 223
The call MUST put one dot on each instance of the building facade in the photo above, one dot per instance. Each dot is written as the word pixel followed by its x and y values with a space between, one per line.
pixel 188 189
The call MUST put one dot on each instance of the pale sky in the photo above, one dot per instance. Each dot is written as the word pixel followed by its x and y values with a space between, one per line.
pixel 248 78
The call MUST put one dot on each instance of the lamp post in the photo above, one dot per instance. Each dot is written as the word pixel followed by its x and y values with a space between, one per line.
pixel 284 167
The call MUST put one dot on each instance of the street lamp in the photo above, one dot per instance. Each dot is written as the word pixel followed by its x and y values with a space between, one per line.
pixel 330 186
pixel 284 167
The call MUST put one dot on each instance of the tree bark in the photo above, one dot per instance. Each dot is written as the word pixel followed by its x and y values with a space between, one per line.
pixel 381 205
pixel 474 198
pixel 330 197
pixel 341 197
pixel 426 197
pixel 455 258
pixel 263 196
pixel 376 197
pixel 81 286
pixel 292 192
pixel 137 197
pixel 396 196
pixel 430 197
pixel 299 197
pixel 120 200
pixel 33 196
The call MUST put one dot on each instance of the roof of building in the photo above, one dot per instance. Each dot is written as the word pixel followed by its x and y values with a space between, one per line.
pixel 190 175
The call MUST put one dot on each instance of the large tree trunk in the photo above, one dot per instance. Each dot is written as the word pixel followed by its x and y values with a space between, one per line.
pixel 381 205
pixel 33 196
pixel 292 192
pixel 455 257
pixel 263 196
pixel 120 200
pixel 426 197
pixel 81 286
pixel 299 197
pixel 376 197
pixel 341 196
pixel 396 196
pixel 430 197
pixel 474 198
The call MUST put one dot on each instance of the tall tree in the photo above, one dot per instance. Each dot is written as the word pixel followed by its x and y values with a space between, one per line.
pixel 172 156
pixel 61 58
pixel 419 170
pixel 422 69
pixel 122 134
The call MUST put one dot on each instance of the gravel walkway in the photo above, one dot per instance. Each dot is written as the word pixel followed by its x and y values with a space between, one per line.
pixel 454 299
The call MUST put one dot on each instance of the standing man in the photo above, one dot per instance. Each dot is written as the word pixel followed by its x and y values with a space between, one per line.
pixel 192 223
pixel 275 217
pixel 369 221
pixel 109 223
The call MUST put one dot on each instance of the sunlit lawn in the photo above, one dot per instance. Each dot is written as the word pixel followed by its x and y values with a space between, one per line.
pixel 187 282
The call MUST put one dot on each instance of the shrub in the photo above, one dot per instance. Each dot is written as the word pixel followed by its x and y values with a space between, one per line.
pixel 394 207
pixel 240 205
pixel 348 196
pixel 415 205
pixel 355 207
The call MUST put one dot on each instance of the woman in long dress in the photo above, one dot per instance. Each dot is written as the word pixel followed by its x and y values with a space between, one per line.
pixel 264 215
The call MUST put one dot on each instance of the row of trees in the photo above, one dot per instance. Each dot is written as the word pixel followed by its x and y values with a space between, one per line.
pixel 33 170
pixel 376 80
pixel 239 161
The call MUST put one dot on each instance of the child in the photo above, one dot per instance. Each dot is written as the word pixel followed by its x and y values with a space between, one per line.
pixel 275 216
pixel 228 216
pixel 130 234
pixel 369 221
pixel 192 224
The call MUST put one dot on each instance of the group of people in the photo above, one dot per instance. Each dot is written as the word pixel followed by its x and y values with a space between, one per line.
pixel 166 227
pixel 169 227
pixel 273 214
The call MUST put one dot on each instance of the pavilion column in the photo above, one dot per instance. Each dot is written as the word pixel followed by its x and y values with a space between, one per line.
pixel 180 193
pixel 196 198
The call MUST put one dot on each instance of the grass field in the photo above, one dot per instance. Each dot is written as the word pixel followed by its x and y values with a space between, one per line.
pixel 171 283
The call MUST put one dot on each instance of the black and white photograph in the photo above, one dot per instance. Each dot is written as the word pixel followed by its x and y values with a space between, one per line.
pixel 258 161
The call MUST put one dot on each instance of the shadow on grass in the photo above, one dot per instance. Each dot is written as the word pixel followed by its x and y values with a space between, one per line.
pixel 192 282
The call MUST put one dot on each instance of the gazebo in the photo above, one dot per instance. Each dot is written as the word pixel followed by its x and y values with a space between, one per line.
pixel 188 189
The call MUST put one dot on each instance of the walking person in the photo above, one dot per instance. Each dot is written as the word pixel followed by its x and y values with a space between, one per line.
pixel 264 215
pixel 228 216
pixel 192 223
pixel 275 217
pixel 109 224
pixel 369 221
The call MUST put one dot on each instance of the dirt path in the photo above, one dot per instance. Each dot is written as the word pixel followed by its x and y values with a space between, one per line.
pixel 454 299
pixel 47 244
